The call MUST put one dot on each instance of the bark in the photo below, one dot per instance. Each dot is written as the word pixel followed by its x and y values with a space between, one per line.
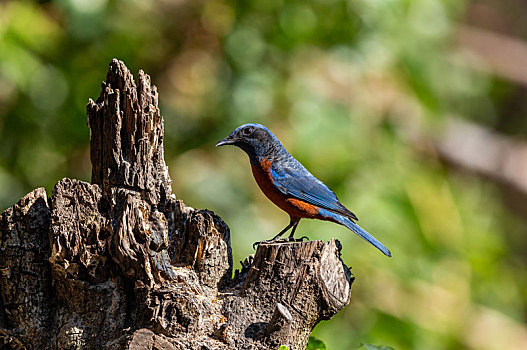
pixel 119 263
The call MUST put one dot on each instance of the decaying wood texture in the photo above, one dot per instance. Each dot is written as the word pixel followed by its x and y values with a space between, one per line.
pixel 121 264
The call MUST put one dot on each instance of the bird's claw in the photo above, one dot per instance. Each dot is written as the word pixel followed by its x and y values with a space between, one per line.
pixel 293 239
pixel 281 240
pixel 267 241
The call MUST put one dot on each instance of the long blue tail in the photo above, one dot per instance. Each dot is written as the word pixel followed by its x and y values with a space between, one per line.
pixel 357 229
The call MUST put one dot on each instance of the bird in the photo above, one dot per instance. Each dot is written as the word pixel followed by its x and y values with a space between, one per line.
pixel 290 186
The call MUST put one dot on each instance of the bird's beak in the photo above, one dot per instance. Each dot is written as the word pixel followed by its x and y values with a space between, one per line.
pixel 226 141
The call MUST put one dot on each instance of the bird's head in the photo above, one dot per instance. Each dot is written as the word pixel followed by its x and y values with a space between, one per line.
pixel 255 139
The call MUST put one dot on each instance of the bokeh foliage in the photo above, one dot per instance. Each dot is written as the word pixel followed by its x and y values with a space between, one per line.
pixel 354 89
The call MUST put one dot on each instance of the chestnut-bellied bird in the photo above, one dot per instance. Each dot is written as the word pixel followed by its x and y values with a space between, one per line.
pixel 289 185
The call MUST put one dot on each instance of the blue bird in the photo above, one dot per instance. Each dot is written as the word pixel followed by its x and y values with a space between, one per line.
pixel 289 185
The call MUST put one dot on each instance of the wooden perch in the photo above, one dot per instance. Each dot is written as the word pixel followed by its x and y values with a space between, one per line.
pixel 121 264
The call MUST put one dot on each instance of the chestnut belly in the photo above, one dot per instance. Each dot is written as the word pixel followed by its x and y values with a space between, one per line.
pixel 294 207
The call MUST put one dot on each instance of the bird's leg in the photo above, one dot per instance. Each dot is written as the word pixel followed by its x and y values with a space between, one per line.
pixel 294 229
pixel 291 237
pixel 291 223
pixel 275 238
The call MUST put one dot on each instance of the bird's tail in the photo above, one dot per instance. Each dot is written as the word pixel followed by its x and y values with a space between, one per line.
pixel 356 229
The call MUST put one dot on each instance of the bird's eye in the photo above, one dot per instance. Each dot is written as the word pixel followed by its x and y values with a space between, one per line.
pixel 247 131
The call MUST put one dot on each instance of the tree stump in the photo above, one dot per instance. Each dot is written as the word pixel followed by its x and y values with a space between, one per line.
pixel 121 264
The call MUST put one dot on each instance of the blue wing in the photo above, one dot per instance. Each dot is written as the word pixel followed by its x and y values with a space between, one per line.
pixel 292 179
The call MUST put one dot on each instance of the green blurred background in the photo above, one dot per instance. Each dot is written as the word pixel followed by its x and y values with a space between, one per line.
pixel 413 112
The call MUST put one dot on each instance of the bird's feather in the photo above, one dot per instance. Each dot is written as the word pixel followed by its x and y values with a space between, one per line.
pixel 293 179
pixel 356 229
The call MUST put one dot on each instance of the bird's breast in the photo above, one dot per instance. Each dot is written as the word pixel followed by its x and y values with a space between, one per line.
pixel 293 206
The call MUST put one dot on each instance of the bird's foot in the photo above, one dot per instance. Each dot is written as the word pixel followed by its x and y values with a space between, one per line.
pixel 281 240
pixel 265 241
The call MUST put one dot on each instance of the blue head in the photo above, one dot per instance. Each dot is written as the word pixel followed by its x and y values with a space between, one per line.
pixel 256 140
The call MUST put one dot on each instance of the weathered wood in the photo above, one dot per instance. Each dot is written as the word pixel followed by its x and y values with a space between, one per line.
pixel 297 276
pixel 127 133
pixel 278 330
pixel 25 282
pixel 121 264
